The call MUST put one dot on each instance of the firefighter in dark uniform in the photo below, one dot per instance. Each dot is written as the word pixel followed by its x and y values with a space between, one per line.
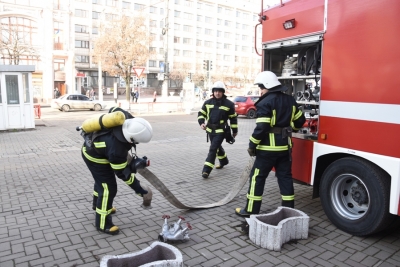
pixel 106 158
pixel 277 116
pixel 212 118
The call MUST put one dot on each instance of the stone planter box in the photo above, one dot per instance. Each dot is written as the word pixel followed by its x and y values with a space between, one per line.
pixel 272 230
pixel 157 254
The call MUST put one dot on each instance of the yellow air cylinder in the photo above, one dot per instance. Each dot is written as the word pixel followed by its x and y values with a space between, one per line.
pixel 108 120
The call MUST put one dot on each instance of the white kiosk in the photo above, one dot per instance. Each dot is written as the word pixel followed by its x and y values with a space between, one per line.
pixel 16 97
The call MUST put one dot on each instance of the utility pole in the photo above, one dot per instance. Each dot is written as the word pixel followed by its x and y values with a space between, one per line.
pixel 166 41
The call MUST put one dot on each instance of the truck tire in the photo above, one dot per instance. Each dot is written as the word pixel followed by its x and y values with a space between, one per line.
pixel 347 187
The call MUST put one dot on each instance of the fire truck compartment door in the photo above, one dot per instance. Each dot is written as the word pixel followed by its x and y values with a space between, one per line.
pixel 302 159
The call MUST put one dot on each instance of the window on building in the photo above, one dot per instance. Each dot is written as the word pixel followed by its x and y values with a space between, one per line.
pixel 153 49
pixel 187 16
pixel 153 23
pixel 219 45
pixel 236 59
pixel 187 41
pixel 126 5
pixel 187 53
pixel 246 16
pixel 218 56
pixel 177 26
pixel 58 64
pixel 177 40
pixel 228 11
pixel 199 18
pixel 152 63
pixel 176 52
pixel 237 25
pixel 208 20
pixel 96 1
pixel 208 7
pixel 111 3
pixel 227 46
pixel 228 23
pixel 198 42
pixel 198 30
pixel 236 48
pixel 207 31
pixel 81 44
pixel 219 33
pixel 162 23
pixel 207 55
pixel 199 5
pixel 177 2
pixel 81 59
pixel 188 3
pixel 95 30
pixel 161 51
pixel 161 11
pixel 187 28
pixel 177 14
pixel 58 32
pixel 245 37
pixel 95 15
pixel 219 9
pixel 238 14
pixel 245 27
pixel 207 43
pixel 138 7
pixel 245 49
pixel 80 28
pixel 111 17
pixel 227 57
pixel 80 13
pixel 153 9
pixel 219 21
pixel 237 36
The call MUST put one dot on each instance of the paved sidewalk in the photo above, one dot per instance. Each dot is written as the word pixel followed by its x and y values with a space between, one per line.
pixel 47 220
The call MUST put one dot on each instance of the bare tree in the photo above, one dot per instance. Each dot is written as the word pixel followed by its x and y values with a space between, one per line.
pixel 15 45
pixel 122 45
pixel 179 73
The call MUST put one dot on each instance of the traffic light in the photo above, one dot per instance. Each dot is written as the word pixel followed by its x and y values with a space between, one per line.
pixel 205 64
pixel 210 65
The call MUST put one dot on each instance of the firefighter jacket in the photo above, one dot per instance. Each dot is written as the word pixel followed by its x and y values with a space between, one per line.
pixel 275 111
pixel 216 113
pixel 108 147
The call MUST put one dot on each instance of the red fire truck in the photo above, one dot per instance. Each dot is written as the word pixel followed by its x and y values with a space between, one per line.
pixel 339 59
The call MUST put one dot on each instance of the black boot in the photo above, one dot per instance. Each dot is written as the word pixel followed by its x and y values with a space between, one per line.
pixel 109 227
pixel 288 203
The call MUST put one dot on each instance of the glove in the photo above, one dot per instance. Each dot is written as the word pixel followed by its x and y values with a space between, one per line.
pixel 252 152
pixel 137 188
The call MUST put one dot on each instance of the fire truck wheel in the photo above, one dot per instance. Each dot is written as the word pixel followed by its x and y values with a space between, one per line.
pixel 347 189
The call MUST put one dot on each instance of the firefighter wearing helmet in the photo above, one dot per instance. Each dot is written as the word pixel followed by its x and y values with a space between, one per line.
pixel 107 157
pixel 213 118
pixel 277 116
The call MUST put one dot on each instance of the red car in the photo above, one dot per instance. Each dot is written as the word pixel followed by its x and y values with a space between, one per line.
pixel 244 105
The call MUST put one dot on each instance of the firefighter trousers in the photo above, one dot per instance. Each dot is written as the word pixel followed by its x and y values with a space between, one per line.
pixel 105 190
pixel 265 161
pixel 216 150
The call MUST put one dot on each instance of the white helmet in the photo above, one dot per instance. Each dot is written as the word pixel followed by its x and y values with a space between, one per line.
pixel 268 79
pixel 137 130
pixel 218 85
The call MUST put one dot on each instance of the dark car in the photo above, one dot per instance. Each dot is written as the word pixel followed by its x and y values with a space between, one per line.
pixel 244 105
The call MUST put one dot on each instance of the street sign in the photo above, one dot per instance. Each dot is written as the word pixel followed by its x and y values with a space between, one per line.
pixel 138 71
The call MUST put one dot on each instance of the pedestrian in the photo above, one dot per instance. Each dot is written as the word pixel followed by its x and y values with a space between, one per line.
pixel 136 95
pixel 91 94
pixel 213 117
pixel 154 96
pixel 94 95
pixel 88 93
pixel 56 93
pixel 277 116
pixel 204 95
pixel 181 96
pixel 106 157
pixel 133 95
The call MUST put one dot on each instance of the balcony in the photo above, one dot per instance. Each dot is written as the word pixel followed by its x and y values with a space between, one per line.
pixel 58 46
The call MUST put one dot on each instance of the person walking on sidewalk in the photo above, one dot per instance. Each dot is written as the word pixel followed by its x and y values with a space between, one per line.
pixel 212 118
pixel 105 153
pixel 154 96
pixel 277 116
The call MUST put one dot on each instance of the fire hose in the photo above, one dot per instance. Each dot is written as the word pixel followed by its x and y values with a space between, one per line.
pixel 154 181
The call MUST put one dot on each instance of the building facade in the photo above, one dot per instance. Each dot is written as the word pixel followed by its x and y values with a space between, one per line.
pixel 61 35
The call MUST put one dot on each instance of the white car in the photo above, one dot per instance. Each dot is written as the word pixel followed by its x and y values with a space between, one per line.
pixel 76 101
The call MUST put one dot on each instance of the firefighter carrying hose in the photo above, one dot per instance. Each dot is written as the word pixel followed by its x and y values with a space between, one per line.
pixel 277 115
pixel 212 118
pixel 105 153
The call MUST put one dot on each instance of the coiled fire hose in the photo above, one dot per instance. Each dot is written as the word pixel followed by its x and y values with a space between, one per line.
pixel 154 181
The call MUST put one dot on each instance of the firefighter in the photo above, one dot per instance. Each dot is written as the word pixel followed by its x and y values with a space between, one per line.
pixel 106 158
pixel 212 118
pixel 277 116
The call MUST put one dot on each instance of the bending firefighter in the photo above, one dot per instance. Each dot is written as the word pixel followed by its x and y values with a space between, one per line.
pixel 212 118
pixel 105 153
pixel 277 115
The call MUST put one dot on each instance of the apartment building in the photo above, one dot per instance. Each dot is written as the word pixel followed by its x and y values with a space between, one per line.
pixel 185 33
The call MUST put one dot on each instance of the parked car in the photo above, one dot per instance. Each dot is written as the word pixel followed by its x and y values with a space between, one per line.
pixel 76 101
pixel 244 105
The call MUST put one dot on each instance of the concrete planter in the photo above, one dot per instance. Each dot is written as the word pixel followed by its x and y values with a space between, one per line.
pixel 157 254
pixel 272 230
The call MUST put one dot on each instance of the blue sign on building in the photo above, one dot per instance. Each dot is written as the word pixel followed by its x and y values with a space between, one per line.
pixel 162 67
